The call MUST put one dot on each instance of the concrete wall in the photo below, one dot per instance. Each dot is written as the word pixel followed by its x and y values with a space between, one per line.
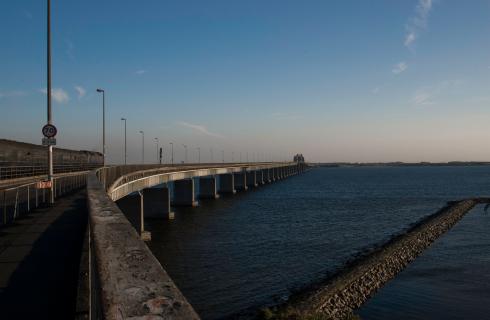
pixel 130 280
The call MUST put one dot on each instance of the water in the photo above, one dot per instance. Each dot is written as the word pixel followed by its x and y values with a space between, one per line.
pixel 234 255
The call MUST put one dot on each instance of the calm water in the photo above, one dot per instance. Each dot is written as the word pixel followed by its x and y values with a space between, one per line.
pixel 239 253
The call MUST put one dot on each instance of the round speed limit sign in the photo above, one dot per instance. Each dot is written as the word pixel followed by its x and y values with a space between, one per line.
pixel 49 131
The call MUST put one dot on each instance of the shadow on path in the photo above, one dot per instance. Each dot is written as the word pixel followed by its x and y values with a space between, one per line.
pixel 39 261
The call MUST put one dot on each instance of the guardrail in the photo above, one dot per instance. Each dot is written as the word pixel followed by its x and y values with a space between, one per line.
pixel 19 200
pixel 20 171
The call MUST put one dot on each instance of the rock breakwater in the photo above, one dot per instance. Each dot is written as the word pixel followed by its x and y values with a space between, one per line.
pixel 347 290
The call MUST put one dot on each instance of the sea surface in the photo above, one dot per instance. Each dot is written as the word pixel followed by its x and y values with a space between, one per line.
pixel 239 253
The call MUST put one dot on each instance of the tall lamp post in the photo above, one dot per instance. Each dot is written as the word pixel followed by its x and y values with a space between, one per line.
pixel 103 122
pixel 48 94
pixel 156 140
pixel 125 144
pixel 172 144
pixel 143 147
pixel 185 148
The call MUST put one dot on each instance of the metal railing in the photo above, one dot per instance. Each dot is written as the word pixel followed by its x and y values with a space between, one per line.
pixel 20 171
pixel 19 200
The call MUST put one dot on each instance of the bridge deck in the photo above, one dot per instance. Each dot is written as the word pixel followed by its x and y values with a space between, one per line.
pixel 39 261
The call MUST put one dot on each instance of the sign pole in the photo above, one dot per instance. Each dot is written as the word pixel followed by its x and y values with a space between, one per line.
pixel 48 94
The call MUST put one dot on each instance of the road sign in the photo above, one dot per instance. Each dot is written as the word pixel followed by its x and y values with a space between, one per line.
pixel 46 184
pixel 49 131
pixel 49 141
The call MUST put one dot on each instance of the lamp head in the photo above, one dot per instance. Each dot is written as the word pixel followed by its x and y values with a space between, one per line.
pixel 100 90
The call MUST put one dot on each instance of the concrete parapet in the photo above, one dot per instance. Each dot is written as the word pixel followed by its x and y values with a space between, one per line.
pixel 184 193
pixel 227 183
pixel 207 188
pixel 240 180
pixel 129 282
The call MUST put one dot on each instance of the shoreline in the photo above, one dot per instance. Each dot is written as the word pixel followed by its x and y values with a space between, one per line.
pixel 337 296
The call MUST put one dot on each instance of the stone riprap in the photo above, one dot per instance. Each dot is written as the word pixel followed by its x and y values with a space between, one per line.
pixel 132 283
pixel 358 281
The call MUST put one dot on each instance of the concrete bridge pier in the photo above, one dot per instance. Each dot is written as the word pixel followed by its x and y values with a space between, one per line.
pixel 227 183
pixel 241 181
pixel 277 173
pixel 252 178
pixel 184 193
pixel 260 177
pixel 207 188
pixel 268 176
pixel 156 203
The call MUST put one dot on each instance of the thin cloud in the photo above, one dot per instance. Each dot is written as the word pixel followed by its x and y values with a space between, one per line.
pixel 9 94
pixel 399 67
pixel 59 95
pixel 285 116
pixel 417 23
pixel 423 97
pixel 81 91
pixel 140 72
pixel 376 90
pixel 199 128
pixel 428 95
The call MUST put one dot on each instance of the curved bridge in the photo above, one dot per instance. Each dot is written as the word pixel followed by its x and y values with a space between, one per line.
pixel 126 280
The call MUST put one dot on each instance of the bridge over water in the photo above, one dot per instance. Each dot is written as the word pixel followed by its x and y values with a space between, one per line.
pixel 119 276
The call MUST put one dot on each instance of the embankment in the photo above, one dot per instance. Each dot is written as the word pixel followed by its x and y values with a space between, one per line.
pixel 347 290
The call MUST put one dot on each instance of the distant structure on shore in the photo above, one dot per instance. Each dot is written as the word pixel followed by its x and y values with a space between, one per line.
pixel 298 158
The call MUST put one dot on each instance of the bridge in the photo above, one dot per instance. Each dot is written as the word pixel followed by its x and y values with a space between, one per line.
pixel 119 277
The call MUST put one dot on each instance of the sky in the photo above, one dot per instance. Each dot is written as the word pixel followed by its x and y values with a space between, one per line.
pixel 354 81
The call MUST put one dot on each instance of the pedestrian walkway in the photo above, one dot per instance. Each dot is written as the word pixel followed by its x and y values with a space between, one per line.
pixel 39 261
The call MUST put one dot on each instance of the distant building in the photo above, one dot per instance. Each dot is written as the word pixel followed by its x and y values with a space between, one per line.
pixel 299 158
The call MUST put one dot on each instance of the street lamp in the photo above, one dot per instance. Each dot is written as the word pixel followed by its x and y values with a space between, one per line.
pixel 143 147
pixel 172 144
pixel 185 147
pixel 103 122
pixel 48 94
pixel 156 140
pixel 125 145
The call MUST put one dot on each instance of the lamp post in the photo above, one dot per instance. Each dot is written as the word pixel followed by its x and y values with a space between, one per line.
pixel 48 94
pixel 156 140
pixel 143 147
pixel 125 145
pixel 103 122
pixel 185 148
pixel 172 144
pixel 198 155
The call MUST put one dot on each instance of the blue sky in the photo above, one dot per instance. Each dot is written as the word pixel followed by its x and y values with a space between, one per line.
pixel 335 80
